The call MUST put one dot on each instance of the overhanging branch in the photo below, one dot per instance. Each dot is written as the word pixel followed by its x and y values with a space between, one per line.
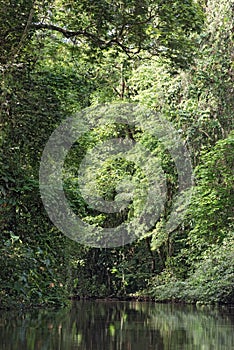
pixel 69 34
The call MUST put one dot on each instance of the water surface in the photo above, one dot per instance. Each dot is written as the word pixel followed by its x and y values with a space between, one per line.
pixel 100 325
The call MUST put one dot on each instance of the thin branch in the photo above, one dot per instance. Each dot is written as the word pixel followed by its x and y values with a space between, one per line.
pixel 68 33
pixel 102 43
pixel 25 32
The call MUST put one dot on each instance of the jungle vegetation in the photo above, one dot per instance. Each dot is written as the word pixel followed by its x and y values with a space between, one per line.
pixel 60 57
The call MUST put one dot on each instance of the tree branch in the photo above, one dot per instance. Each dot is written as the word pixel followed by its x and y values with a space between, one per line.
pixel 68 33
pixel 102 43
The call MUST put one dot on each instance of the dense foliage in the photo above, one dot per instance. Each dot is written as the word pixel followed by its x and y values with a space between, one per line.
pixel 59 57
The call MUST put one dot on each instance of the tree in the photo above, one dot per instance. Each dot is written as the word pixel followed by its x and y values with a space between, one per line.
pixel 158 27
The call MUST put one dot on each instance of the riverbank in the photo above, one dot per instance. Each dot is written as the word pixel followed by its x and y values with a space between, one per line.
pixel 142 298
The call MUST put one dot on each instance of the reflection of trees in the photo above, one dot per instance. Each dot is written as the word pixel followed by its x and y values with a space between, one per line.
pixel 117 326
pixel 192 328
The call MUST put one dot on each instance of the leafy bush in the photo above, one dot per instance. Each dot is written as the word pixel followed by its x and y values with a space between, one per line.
pixel 212 281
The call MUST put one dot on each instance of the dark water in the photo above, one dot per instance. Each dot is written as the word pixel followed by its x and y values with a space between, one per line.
pixel 118 326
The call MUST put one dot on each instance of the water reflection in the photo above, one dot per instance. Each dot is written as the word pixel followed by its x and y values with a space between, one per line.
pixel 118 326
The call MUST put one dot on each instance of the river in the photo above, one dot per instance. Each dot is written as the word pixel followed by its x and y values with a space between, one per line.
pixel 101 325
